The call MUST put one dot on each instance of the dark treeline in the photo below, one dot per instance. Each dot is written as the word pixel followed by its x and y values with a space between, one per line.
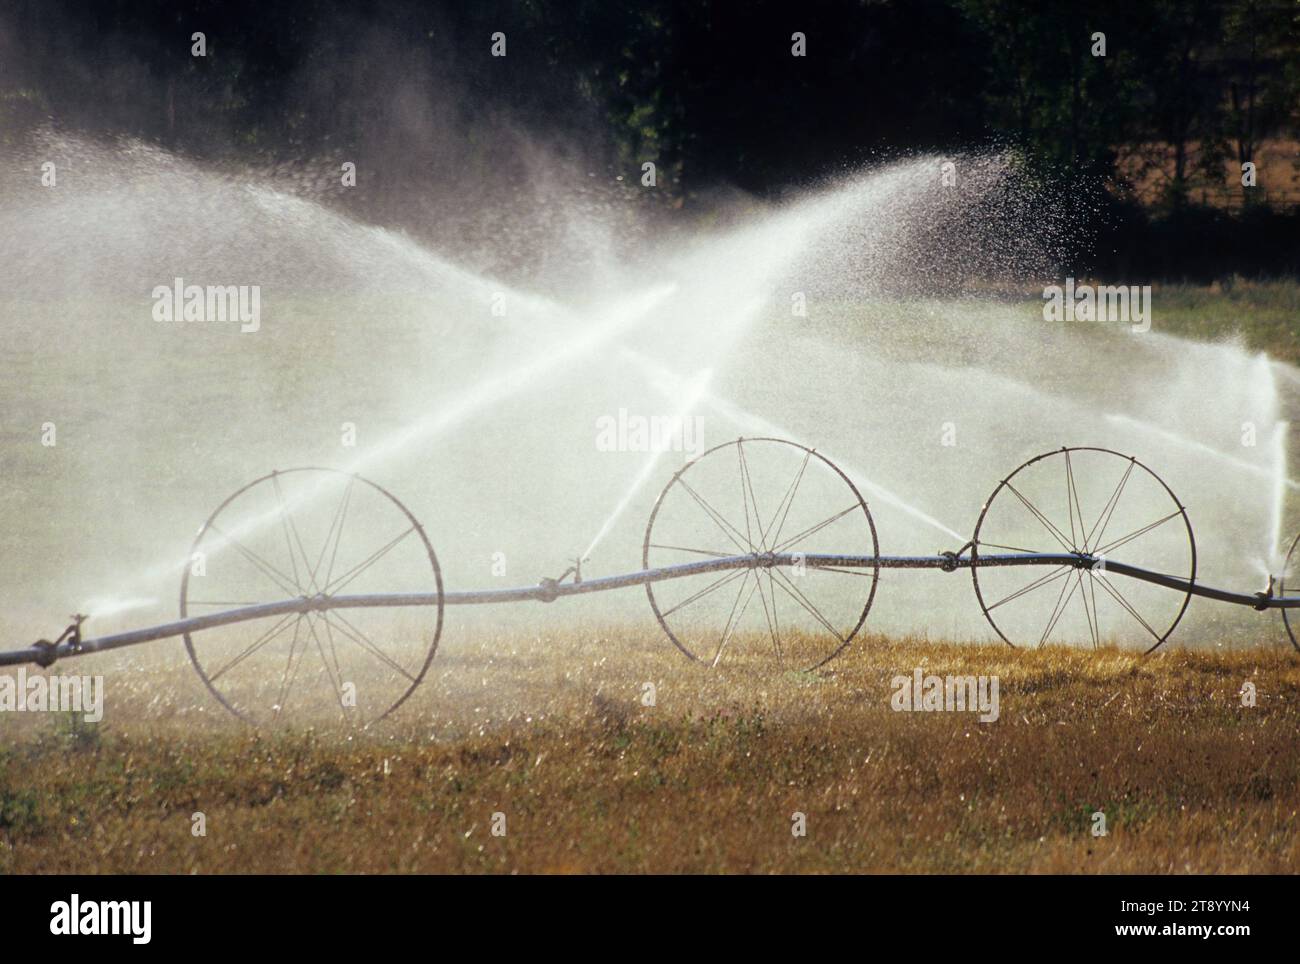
pixel 1153 134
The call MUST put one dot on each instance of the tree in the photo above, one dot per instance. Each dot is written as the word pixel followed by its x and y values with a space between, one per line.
pixel 1261 70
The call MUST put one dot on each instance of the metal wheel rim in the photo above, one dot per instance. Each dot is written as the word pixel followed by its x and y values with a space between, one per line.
pixel 810 453
pixel 419 529
pixel 1182 511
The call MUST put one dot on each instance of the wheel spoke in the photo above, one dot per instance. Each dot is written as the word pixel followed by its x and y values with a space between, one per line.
pixel 320 649
pixel 802 600
pixel 734 619
pixel 776 617
pixel 1124 540
pixel 334 653
pixel 291 668
pixel 730 531
pixel 1058 611
pixel 1046 523
pixel 767 614
pixel 286 523
pixel 863 573
pixel 748 482
pixel 787 500
pixel 705 591
pixel 744 493
pixel 1010 548
pixel 1119 598
pixel 1088 614
pixel 262 641
pixel 1096 620
pixel 1078 506
pixel 284 583
pixel 346 627
pixel 702 552
pixel 1037 583
pixel 1108 510
pixel 361 567
pixel 812 530
pixel 335 532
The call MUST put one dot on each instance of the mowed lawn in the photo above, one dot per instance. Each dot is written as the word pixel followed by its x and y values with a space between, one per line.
pixel 549 739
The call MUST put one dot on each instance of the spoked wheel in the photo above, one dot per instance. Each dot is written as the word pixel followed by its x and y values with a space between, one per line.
pixel 1094 502
pixel 748 498
pixel 308 533
pixel 1292 558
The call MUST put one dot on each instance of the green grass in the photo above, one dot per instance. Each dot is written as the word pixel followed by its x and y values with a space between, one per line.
pixel 1266 315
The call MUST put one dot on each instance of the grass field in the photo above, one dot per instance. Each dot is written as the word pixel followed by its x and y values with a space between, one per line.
pixel 552 732
pixel 1266 315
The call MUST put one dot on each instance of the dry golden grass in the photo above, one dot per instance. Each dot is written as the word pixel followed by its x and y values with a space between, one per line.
pixel 552 732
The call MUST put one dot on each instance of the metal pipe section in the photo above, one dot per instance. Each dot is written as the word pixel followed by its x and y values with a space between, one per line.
pixel 549 590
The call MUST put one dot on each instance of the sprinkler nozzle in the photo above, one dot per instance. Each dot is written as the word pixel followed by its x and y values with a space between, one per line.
pixel 548 588
pixel 1266 594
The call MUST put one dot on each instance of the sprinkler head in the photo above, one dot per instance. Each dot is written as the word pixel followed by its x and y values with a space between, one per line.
pixel 1265 595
